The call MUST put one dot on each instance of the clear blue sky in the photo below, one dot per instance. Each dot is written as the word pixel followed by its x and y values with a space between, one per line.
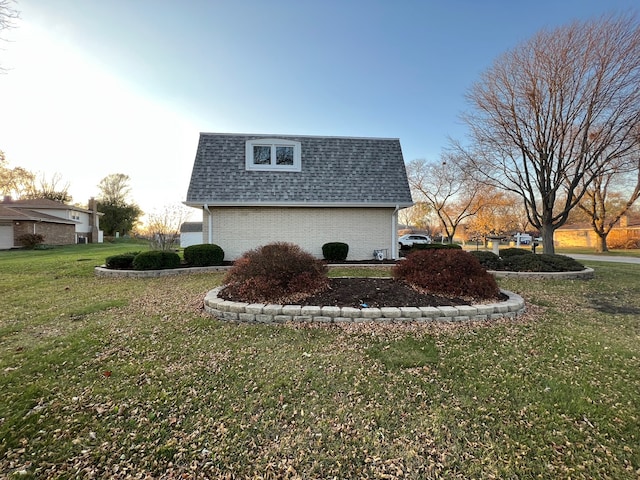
pixel 125 86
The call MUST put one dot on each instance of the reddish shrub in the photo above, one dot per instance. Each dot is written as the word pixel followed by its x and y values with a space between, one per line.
pixel 447 272
pixel 275 273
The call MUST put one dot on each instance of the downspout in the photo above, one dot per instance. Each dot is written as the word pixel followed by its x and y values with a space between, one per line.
pixel 209 225
pixel 394 233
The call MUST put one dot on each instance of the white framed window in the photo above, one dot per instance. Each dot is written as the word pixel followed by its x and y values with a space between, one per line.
pixel 273 154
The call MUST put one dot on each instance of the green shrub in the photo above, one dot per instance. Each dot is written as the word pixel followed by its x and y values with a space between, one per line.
pixel 30 240
pixel 514 252
pixel 488 260
pixel 335 251
pixel 435 246
pixel 542 263
pixel 124 261
pixel 447 272
pixel 203 255
pixel 275 273
pixel 156 260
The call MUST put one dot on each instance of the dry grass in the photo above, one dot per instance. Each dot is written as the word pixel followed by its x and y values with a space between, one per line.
pixel 127 378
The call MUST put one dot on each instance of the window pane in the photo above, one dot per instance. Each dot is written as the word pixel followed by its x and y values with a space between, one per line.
pixel 284 155
pixel 261 154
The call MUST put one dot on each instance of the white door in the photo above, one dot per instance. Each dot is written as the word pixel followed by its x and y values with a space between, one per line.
pixel 6 235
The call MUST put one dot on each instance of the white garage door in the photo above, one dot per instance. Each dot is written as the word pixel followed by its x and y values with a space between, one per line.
pixel 6 235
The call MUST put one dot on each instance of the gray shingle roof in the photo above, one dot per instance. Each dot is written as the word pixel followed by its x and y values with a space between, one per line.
pixel 335 171
pixel 190 227
pixel 26 214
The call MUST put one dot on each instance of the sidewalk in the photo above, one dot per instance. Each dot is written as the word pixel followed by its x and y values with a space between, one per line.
pixel 603 258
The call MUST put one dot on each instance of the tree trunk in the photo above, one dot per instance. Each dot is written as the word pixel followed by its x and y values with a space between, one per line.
pixel 547 239
pixel 602 243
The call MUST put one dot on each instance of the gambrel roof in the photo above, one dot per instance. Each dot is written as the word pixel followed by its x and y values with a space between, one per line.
pixel 334 171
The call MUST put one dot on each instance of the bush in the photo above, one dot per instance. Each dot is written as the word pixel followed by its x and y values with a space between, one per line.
pixel 203 255
pixel 514 252
pixel 542 263
pixel 124 261
pixel 30 240
pixel 276 273
pixel 449 272
pixel 336 251
pixel 156 260
pixel 488 260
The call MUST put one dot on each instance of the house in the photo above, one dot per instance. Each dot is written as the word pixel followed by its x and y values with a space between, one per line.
pixel 190 234
pixel 60 224
pixel 308 190
pixel 625 234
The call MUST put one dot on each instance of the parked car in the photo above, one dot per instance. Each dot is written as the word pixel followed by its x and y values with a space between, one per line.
pixel 407 241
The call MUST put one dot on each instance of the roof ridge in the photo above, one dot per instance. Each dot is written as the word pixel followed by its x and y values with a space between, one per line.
pixel 276 135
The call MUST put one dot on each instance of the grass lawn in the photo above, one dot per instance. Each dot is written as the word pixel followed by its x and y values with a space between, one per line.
pixel 127 378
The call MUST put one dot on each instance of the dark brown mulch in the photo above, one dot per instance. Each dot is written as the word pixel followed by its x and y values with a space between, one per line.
pixel 376 292
pixel 372 292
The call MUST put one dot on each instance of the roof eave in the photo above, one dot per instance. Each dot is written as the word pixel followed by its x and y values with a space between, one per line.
pixel 216 203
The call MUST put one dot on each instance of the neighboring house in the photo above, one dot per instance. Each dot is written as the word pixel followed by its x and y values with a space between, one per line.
pixel 60 224
pixel 190 234
pixel 626 234
pixel 308 190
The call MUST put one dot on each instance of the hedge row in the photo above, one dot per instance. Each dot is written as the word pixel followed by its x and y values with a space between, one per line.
pixel 203 255
pixel 519 260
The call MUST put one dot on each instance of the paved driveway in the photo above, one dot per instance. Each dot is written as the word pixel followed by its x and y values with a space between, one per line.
pixel 604 258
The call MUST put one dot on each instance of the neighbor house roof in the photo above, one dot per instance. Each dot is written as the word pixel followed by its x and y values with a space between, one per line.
pixel 190 227
pixel 42 203
pixel 26 214
pixel 335 171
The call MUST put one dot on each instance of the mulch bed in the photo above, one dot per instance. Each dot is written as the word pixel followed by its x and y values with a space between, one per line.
pixel 376 292
pixel 372 292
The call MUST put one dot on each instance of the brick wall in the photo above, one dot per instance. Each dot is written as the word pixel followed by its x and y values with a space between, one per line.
pixel 54 233
pixel 237 230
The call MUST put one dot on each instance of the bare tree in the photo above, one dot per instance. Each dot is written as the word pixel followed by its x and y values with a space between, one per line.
pixel 610 196
pixel 163 227
pixel 42 187
pixel 8 14
pixel 114 190
pixel 418 216
pixel 446 189
pixel 14 182
pixel 553 114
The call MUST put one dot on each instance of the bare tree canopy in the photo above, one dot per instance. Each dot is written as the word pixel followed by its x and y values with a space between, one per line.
pixel 14 182
pixel 42 187
pixel 8 14
pixel 446 190
pixel 114 189
pixel 610 196
pixel 552 114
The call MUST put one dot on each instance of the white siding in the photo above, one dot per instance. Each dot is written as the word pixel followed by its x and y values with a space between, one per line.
pixel 190 238
pixel 237 230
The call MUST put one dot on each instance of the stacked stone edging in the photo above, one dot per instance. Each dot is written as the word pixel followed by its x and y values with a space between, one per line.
pixel 102 271
pixel 109 272
pixel 585 274
pixel 267 313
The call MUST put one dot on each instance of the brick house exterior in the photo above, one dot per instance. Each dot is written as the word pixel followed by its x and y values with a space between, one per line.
pixel 626 234
pixel 58 223
pixel 307 190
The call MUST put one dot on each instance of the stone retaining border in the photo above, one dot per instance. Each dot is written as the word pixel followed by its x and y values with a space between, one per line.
pixel 109 272
pixel 266 313
pixel 586 274
pixel 102 271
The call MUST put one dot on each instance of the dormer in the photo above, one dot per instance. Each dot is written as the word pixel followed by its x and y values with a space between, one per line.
pixel 273 154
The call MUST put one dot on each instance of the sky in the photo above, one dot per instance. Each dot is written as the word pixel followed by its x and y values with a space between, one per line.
pixel 97 87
